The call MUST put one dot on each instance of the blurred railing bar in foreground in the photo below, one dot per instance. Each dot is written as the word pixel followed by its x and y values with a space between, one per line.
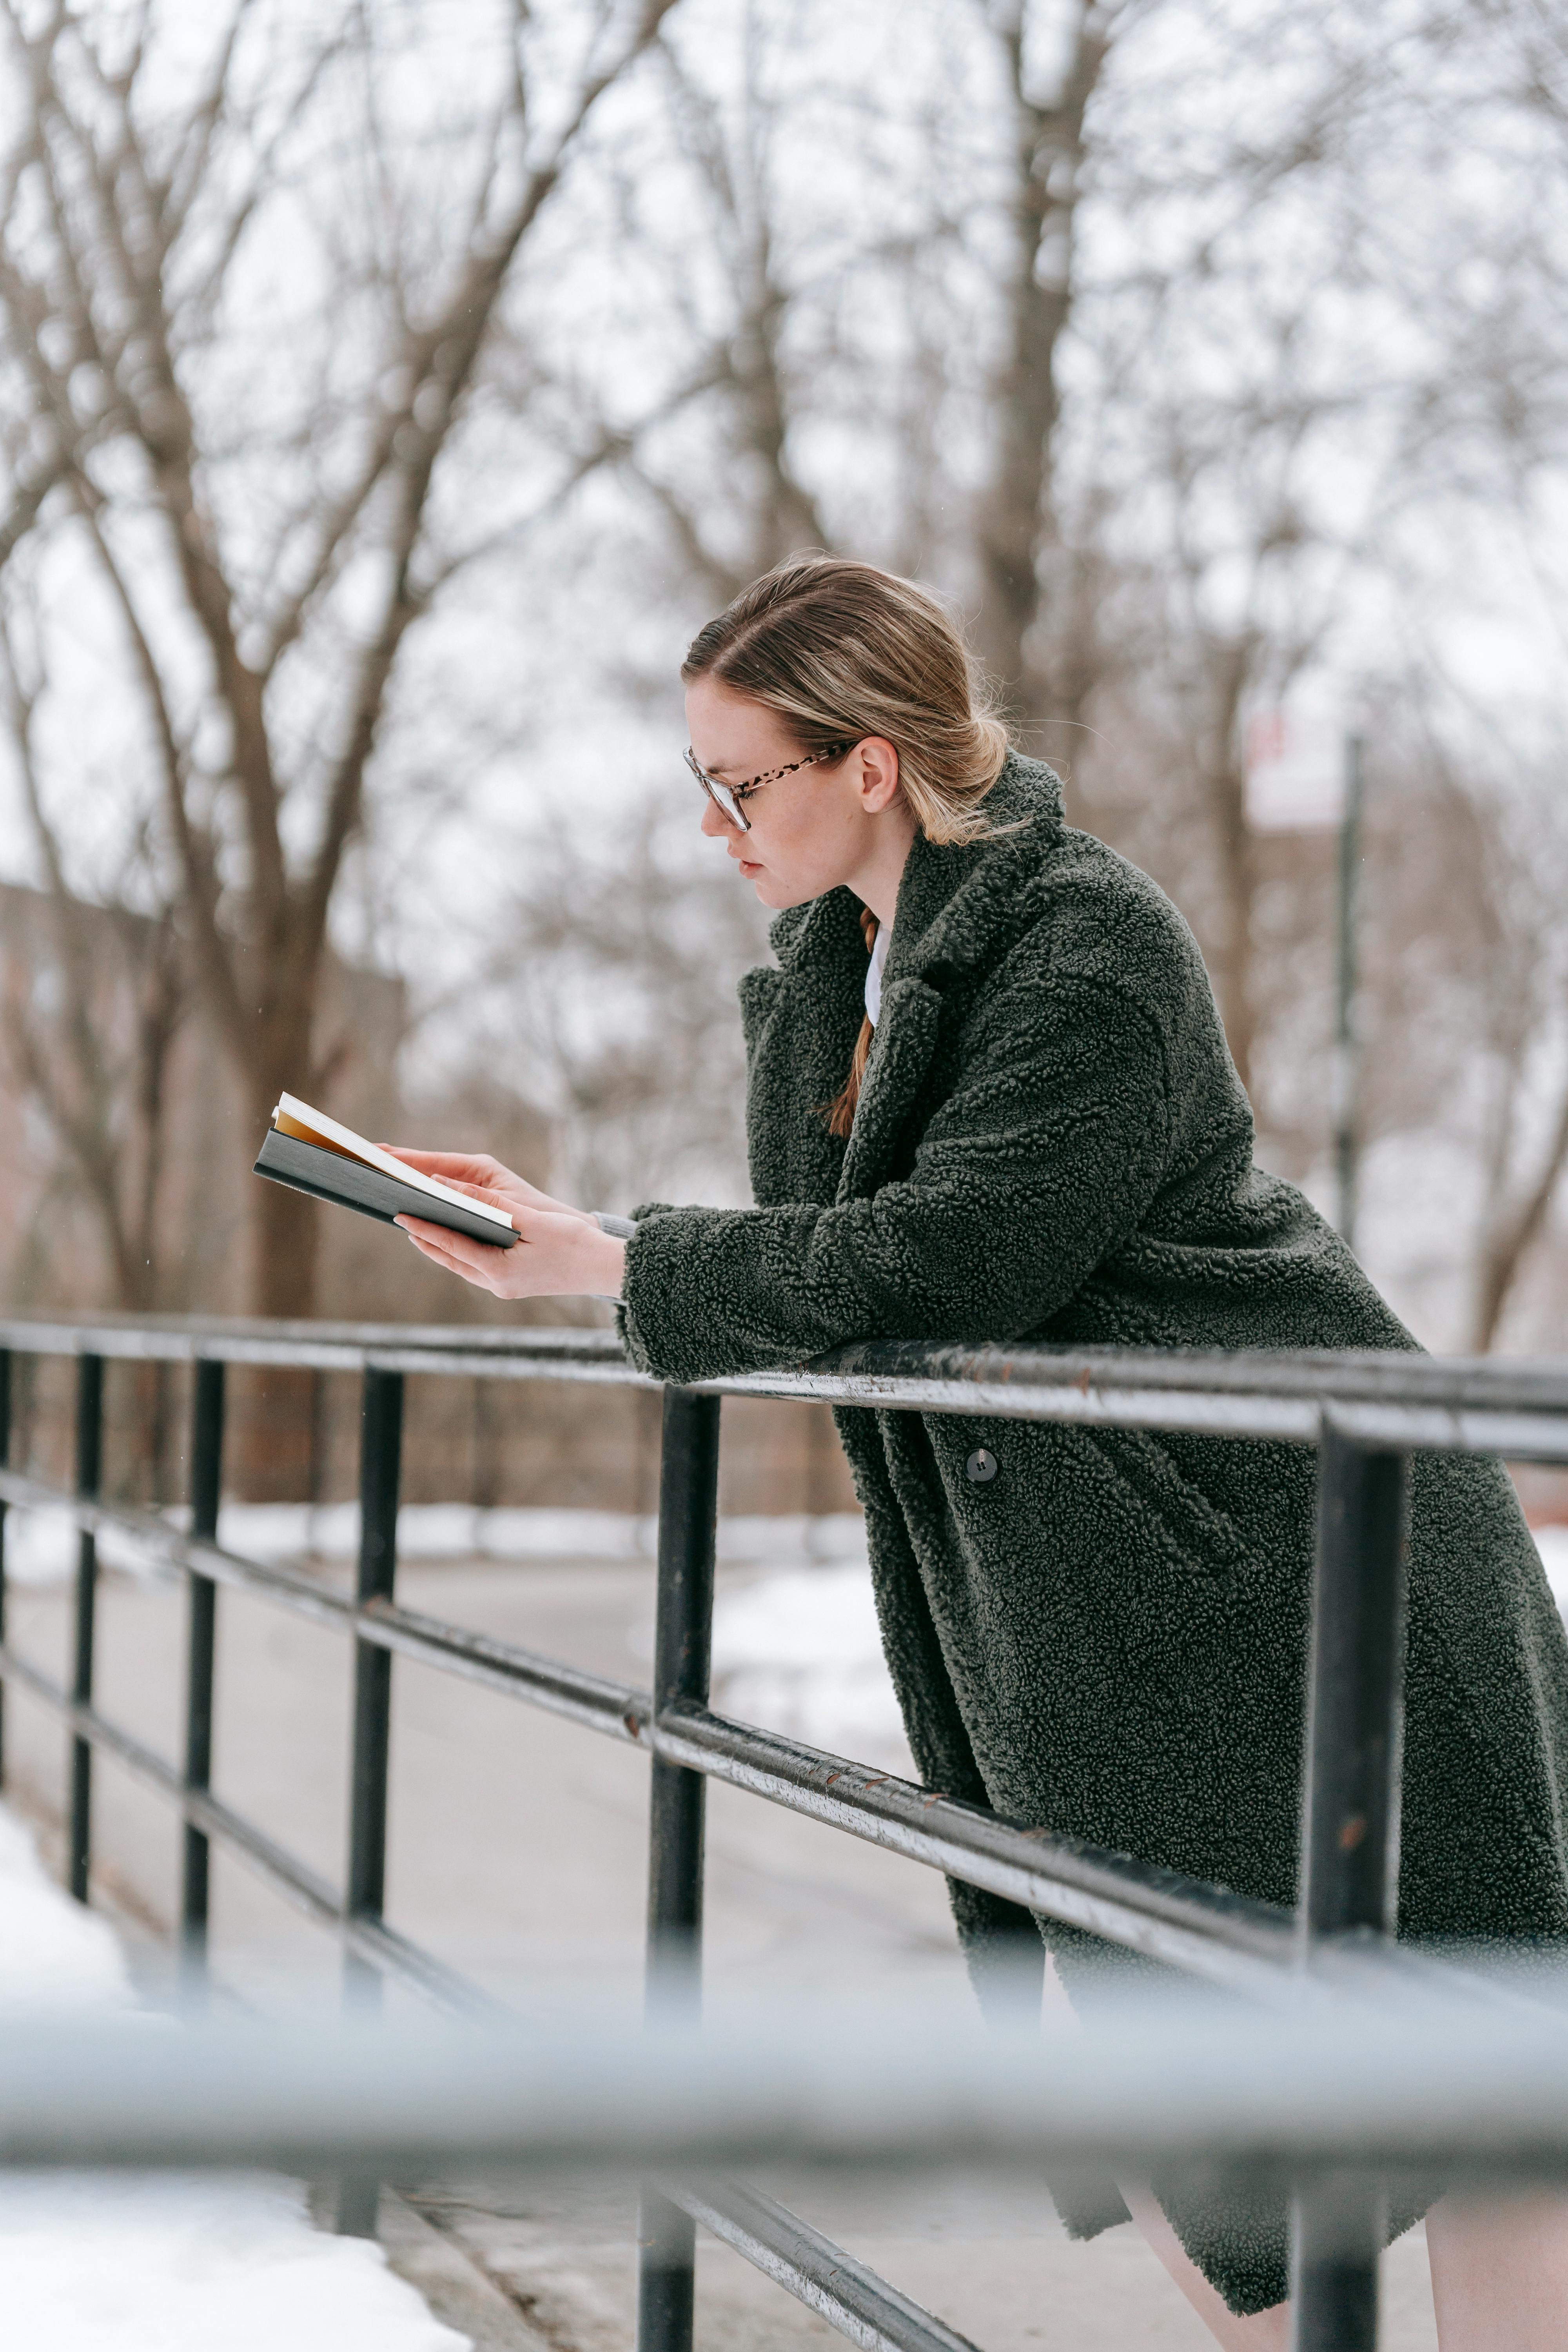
pixel 1439 2082
pixel 1363 1413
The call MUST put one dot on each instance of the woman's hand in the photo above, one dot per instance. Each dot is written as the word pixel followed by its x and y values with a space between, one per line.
pixel 561 1252
pixel 476 1172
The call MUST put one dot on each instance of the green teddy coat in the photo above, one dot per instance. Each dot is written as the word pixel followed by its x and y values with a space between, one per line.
pixel 1108 1637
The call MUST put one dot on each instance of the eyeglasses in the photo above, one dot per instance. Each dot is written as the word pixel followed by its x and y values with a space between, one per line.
pixel 727 798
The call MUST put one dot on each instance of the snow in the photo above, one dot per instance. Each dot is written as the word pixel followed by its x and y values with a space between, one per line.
pixel 799 1651
pixel 41 1549
pixel 41 1545
pixel 1552 1543
pixel 100 2263
pixel 158 2262
pixel 53 1954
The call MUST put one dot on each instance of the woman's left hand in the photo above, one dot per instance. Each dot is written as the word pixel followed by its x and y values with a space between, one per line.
pixel 560 1252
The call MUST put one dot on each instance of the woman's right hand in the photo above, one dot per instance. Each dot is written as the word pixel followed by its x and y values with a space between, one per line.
pixel 477 1170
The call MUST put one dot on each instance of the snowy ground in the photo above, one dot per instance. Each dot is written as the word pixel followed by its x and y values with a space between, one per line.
pixel 798 1649
pixel 1552 1544
pixel 158 2262
pixel 41 1545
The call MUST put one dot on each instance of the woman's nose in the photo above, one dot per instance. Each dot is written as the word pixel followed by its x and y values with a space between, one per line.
pixel 714 823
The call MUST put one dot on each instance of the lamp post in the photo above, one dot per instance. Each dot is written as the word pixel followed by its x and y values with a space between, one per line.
pixel 1347 1044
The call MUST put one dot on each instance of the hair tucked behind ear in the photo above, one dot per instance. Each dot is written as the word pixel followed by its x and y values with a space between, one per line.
pixel 842 651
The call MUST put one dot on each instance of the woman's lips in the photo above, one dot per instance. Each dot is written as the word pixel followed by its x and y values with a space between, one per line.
pixel 748 866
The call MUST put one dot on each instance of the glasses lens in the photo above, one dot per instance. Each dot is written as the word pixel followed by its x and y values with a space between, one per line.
pixel 722 798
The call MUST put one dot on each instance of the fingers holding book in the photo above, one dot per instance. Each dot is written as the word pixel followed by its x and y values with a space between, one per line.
pixel 562 1253
pixel 464 1211
pixel 476 1172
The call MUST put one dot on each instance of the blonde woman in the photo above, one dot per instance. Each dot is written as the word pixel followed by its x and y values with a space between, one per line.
pixel 990 1100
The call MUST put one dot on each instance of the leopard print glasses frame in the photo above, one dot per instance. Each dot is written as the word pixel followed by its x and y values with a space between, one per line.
pixel 727 798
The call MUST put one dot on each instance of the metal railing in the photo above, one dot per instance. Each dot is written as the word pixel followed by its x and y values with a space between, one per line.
pixel 1364 1413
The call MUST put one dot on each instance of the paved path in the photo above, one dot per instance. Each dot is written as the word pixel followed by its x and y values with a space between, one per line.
pixel 518 1844
pixel 518 1852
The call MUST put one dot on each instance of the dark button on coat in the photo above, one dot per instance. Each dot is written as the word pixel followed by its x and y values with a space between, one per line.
pixel 1052 1147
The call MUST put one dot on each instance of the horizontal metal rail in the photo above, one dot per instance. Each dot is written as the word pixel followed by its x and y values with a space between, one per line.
pixel 1392 1400
pixel 1426 2088
pixel 298 1886
pixel 1224 1937
pixel 592 1700
pixel 851 2297
pixel 1204 1931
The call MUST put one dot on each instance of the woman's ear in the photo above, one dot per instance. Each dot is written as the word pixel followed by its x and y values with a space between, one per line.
pixel 878 782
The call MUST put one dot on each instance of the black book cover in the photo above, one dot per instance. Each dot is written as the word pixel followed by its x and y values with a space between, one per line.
pixel 328 1176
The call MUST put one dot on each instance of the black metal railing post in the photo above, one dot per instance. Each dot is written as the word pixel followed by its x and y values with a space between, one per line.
pixel 88 1476
pixel 5 1464
pixel 1350 1838
pixel 381 1452
pixel 206 1485
pixel 687 1512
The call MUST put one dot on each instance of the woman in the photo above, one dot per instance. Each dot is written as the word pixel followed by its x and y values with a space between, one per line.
pixel 1019 1122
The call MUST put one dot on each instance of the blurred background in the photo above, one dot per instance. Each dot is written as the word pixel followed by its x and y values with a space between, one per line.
pixel 386 395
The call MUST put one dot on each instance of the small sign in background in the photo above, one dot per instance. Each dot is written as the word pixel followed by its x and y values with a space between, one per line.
pixel 1295 763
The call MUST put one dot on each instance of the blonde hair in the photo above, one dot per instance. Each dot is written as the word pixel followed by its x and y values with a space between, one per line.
pixel 841 651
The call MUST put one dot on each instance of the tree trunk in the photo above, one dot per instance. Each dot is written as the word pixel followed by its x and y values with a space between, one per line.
pixel 286 1239
pixel 280 975
pixel 1222 779
pixel 1017 521
pixel 1237 879
pixel 1505 1247
pixel 272 1445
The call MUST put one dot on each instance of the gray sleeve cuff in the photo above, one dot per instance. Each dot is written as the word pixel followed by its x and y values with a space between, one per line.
pixel 620 1229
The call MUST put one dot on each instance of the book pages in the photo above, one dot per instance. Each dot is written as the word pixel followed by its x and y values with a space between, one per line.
pixel 298 1118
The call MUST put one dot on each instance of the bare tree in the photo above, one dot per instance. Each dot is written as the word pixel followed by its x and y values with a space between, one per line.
pixel 1506 933
pixel 1018 530
pixel 615 998
pixel 263 619
pixel 1230 538
pixel 743 372
pixel 94 1009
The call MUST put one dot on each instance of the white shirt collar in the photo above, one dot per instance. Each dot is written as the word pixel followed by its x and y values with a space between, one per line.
pixel 874 976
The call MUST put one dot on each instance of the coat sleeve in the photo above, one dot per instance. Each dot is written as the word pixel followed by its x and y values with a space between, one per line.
pixel 1042 1158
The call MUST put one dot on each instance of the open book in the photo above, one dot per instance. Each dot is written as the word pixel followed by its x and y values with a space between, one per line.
pixel 312 1152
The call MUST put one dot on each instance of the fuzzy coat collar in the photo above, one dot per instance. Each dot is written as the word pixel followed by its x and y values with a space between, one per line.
pixel 952 900
pixel 959 910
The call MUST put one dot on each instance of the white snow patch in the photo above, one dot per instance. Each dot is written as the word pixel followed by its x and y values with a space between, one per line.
pixel 106 2263
pixel 41 1545
pixel 53 1953
pixel 800 1651
pixel 1552 1543
pixel 165 2262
